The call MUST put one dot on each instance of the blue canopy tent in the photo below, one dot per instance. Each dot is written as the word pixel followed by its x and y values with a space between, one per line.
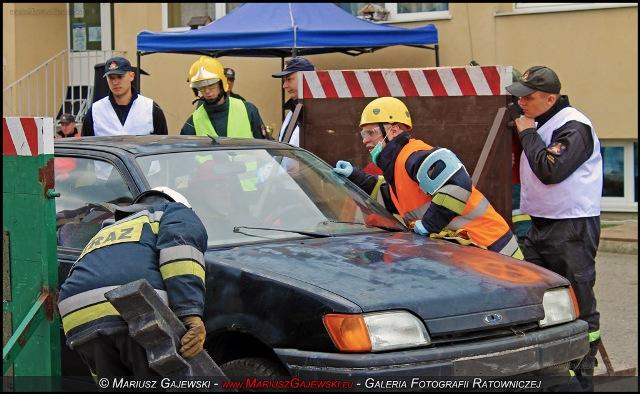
pixel 286 29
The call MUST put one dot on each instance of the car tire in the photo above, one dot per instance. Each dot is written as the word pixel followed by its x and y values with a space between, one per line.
pixel 253 366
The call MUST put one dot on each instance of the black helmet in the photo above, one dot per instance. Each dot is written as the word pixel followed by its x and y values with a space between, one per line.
pixel 229 73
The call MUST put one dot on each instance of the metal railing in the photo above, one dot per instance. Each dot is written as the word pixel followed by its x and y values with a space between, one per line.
pixel 35 93
pixel 63 83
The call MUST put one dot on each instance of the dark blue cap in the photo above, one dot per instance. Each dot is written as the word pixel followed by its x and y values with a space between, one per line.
pixel 117 65
pixel 295 64
pixel 67 118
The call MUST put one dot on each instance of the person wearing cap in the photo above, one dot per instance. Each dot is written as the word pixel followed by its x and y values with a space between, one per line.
pixel 219 114
pixel 561 186
pixel 67 127
pixel 427 186
pixel 159 238
pixel 231 78
pixel 123 111
pixel 290 84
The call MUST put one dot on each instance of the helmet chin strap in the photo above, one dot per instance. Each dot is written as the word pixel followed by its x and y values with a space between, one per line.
pixel 216 99
pixel 384 132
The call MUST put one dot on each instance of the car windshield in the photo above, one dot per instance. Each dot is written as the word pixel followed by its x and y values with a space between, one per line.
pixel 253 195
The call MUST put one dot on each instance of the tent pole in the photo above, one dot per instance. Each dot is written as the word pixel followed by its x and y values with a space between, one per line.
pixel 138 74
pixel 281 89
pixel 437 55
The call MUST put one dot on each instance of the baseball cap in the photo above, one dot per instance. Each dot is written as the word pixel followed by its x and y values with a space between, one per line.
pixel 67 118
pixel 117 65
pixel 229 73
pixel 295 64
pixel 536 78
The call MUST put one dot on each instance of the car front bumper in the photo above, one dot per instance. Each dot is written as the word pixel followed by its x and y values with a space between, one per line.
pixel 505 356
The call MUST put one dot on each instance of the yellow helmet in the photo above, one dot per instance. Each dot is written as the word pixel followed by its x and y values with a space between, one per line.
pixel 386 110
pixel 198 78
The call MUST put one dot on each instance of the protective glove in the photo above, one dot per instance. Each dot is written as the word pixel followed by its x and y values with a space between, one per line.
pixel 193 341
pixel 343 168
pixel 418 228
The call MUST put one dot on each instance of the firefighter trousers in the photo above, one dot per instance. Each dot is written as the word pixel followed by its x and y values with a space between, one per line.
pixel 115 355
pixel 568 247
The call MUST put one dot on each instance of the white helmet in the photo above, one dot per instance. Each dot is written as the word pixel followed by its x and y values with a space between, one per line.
pixel 165 192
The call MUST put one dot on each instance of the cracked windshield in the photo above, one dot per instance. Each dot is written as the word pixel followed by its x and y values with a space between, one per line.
pixel 245 196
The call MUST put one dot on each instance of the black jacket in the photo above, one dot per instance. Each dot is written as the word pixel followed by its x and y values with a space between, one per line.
pixel 164 244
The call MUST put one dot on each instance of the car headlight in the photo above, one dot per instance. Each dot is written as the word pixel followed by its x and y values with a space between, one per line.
pixel 372 332
pixel 560 306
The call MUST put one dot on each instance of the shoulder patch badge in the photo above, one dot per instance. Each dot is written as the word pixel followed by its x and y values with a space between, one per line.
pixel 556 149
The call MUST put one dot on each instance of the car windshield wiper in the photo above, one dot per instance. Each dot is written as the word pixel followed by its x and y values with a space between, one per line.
pixel 362 224
pixel 236 229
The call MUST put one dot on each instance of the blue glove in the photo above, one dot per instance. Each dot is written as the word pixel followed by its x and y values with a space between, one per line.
pixel 343 168
pixel 418 228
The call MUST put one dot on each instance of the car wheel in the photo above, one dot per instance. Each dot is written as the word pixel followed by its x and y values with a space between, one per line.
pixel 253 366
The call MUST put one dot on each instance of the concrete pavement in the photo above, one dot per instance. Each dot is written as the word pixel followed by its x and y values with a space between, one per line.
pixel 616 291
pixel 619 236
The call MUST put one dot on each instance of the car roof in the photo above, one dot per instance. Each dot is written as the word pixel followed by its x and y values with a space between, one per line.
pixel 155 144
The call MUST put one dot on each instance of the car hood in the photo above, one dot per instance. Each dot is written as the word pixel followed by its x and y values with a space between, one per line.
pixel 381 271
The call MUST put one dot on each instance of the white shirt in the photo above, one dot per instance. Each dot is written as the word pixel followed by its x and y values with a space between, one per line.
pixel 295 136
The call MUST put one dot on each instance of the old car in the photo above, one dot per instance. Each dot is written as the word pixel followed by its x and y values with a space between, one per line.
pixel 307 276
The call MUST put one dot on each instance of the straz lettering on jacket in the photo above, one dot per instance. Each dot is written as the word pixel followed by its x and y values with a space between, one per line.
pixel 127 231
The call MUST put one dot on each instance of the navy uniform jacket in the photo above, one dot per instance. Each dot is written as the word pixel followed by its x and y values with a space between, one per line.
pixel 164 244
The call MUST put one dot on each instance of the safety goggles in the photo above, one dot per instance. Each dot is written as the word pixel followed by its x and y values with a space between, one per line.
pixel 203 89
pixel 370 133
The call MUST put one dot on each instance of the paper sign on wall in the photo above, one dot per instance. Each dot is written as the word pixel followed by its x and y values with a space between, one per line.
pixel 95 33
pixel 79 35
pixel 78 10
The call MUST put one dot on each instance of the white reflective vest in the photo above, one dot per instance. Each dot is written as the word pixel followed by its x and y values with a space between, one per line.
pixel 579 194
pixel 139 120
pixel 295 136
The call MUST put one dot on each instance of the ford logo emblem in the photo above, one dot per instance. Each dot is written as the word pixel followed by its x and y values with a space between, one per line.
pixel 493 318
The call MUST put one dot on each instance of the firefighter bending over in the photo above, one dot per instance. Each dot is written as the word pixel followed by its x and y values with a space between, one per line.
pixel 158 238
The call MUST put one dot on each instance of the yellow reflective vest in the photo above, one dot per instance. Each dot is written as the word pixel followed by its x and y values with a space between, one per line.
pixel 238 125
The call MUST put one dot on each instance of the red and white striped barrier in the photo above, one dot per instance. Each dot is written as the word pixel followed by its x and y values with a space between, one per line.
pixel 441 81
pixel 27 136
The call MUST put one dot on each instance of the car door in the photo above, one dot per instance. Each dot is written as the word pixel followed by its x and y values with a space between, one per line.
pixel 86 180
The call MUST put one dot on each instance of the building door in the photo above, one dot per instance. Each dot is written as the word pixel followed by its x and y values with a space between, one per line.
pixel 90 39
pixel 90 32
pixel 90 27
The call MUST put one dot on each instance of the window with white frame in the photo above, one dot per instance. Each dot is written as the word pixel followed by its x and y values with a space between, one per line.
pixel 179 14
pixel 620 175
pixel 404 12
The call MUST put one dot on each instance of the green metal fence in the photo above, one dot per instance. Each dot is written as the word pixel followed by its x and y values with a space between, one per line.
pixel 31 324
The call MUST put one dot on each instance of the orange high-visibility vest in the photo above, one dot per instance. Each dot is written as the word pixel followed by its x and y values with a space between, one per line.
pixel 482 223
